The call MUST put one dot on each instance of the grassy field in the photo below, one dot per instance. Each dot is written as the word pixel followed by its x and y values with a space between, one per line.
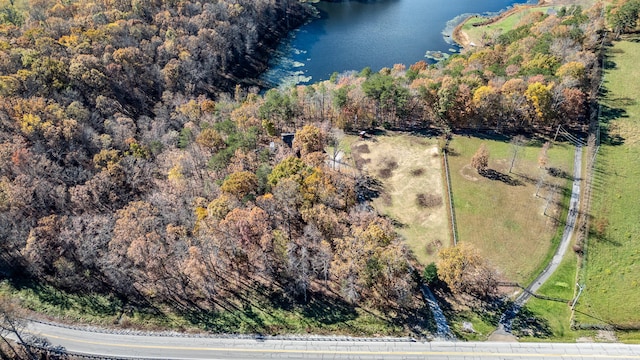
pixel 612 272
pixel 409 168
pixel 504 219
pixel 477 34
pixel 511 19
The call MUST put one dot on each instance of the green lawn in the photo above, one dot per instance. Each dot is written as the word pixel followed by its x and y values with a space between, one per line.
pixel 612 271
pixel 506 222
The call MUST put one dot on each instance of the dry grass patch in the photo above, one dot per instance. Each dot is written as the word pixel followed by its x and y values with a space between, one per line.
pixel 410 170
pixel 388 165
pixel 428 200
pixel 504 219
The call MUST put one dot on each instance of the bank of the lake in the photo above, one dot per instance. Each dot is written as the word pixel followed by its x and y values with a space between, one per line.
pixel 464 39
pixel 469 32
pixel 352 35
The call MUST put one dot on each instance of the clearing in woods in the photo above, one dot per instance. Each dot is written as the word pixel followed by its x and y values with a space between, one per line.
pixel 410 172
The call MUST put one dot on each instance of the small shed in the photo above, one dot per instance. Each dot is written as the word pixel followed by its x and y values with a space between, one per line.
pixel 287 138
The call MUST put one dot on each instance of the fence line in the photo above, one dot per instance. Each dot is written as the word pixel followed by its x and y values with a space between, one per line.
pixel 537 296
pixel 593 146
pixel 454 228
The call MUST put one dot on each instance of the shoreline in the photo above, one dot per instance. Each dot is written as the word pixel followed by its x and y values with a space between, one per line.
pixel 461 38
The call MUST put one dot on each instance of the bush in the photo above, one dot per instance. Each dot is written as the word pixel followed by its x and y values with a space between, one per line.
pixel 430 274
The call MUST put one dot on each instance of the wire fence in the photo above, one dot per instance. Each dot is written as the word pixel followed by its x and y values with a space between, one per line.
pixel 593 147
pixel 452 212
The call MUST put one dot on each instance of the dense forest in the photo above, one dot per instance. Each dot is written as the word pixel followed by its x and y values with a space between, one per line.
pixel 126 169
pixel 138 159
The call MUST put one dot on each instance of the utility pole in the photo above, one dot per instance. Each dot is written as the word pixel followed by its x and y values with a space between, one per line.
pixel 557 131
pixel 580 287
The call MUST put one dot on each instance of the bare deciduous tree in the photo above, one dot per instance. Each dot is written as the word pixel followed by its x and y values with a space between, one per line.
pixel 11 327
pixel 480 159
pixel 516 147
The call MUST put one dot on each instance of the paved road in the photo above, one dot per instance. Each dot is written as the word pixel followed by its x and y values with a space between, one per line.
pixel 161 347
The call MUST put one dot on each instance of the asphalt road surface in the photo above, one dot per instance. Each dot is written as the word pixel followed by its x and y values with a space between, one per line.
pixel 170 347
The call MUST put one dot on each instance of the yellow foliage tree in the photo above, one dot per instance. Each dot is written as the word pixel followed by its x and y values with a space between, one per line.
pixel 540 96
pixel 240 184
pixel 210 138
pixel 465 272
pixel 573 69
pixel 309 139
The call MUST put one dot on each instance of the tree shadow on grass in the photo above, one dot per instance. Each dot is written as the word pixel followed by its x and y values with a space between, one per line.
pixel 608 64
pixel 496 175
pixel 603 321
pixel 559 173
pixel 215 321
pixel 603 238
pixel 103 305
pixel 328 311
pixel 368 188
pixel 526 178
pixel 607 115
pixel 264 314
pixel 526 323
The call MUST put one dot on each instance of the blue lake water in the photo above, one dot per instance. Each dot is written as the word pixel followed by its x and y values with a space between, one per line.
pixel 354 34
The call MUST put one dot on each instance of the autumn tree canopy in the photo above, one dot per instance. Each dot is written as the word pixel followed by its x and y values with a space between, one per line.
pixel 466 272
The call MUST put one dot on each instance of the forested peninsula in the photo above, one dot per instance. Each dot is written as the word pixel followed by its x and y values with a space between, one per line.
pixel 139 163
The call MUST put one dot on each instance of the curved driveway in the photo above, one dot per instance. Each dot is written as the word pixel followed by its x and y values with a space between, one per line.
pixel 184 347
pixel 572 216
pixel 506 320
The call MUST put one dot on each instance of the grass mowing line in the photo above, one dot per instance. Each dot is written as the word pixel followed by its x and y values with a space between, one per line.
pixel 612 268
